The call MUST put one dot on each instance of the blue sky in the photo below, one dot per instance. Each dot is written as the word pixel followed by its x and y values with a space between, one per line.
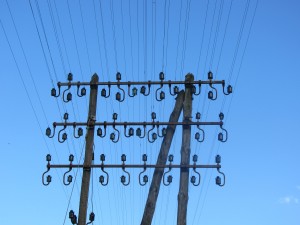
pixel 141 39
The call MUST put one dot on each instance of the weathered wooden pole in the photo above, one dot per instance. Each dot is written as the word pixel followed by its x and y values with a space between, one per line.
pixel 161 160
pixel 88 152
pixel 185 153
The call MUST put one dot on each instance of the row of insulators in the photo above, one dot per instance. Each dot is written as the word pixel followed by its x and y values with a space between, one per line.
pixel 159 94
pixel 143 179
pixel 199 136
pixel 73 217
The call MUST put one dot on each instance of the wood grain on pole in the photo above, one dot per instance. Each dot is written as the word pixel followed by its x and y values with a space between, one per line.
pixel 185 153
pixel 161 160
pixel 88 152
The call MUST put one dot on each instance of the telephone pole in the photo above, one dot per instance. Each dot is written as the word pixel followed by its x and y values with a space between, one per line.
pixel 88 151
pixel 185 152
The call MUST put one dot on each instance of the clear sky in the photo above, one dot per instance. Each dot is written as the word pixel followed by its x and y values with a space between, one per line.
pixel 254 46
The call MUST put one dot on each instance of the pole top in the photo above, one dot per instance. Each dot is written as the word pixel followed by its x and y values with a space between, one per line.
pixel 189 77
pixel 95 78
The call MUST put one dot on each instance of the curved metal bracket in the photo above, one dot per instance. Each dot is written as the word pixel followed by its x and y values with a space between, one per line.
pixel 82 92
pixel 169 179
pixel 79 131
pixel 163 131
pixel 145 177
pixel 100 133
pixel 53 91
pixel 64 136
pixel 130 132
pixel 211 95
pixel 154 135
pixel 69 179
pixel 103 91
pixel 221 136
pixel 160 97
pixel 69 86
pixel 112 135
pixel 138 132
pixel 123 178
pixel 48 131
pixel 194 89
pixel 48 179
pixel 134 91
pixel 218 179
pixel 118 95
pixel 198 135
pixel 101 178
pixel 175 90
pixel 229 88
pixel 143 89
pixel 193 178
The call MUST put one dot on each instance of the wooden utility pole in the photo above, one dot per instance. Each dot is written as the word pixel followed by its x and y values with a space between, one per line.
pixel 185 152
pixel 88 151
pixel 161 160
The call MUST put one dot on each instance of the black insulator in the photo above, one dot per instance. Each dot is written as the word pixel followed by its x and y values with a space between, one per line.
pixel 176 90
pixel 49 178
pixel 169 179
pixel 112 136
pixel 144 157
pixel 193 179
pixel 71 214
pixel 48 157
pixel 48 131
pixel 69 96
pixel 218 180
pixel 164 131
pixel 162 95
pixel 171 157
pixel 83 91
pixel 218 159
pixel 80 132
pixel 66 116
pixel 102 157
pixel 193 89
pixel 153 115
pixel 221 116
pixel 131 131
pixel 118 76
pixel 197 136
pixel 115 116
pixel 123 179
pixel 74 219
pixel 161 76
pixel 220 137
pixel 70 77
pixel 210 95
pixel 99 131
pixel 64 136
pixel 210 75
pixel 118 96
pixel 229 89
pixel 195 158
pixel 70 178
pixel 103 92
pixel 138 132
pixel 71 158
pixel 154 136
pixel 92 217
pixel 143 90
pixel 123 157
pixel 145 178
pixel 198 116
pixel 101 179
pixel 134 91
pixel 53 92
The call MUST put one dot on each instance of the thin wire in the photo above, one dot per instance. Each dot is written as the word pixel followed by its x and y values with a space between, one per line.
pixel 178 40
pixel 84 34
pixel 114 33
